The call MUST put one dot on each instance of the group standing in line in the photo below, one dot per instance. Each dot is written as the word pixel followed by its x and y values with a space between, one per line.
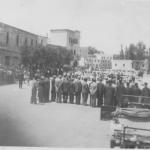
pixel 76 89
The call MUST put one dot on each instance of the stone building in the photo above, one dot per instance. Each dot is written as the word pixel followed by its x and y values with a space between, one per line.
pixel 66 38
pixel 122 65
pixel 12 39
pixel 99 61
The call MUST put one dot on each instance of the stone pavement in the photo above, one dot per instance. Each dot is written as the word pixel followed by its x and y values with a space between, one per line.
pixel 48 125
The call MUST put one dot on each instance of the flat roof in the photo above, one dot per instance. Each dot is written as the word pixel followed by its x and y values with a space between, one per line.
pixel 21 30
pixel 63 30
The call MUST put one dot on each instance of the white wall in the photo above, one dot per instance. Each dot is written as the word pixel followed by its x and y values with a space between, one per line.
pixel 59 38
pixel 122 64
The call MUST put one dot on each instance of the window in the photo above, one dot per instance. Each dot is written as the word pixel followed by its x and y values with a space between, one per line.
pixel 7 60
pixel 36 42
pixel 7 38
pixel 123 65
pixel 115 64
pixel 17 40
pixel 41 42
pixel 25 42
pixel 31 42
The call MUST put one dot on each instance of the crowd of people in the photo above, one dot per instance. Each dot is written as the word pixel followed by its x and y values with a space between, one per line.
pixel 76 89
pixel 7 76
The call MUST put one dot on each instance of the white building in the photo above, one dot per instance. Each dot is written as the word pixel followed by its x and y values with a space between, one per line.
pixel 122 65
pixel 99 61
pixel 65 37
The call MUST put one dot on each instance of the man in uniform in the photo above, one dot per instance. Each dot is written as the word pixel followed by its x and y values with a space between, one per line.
pixel 78 89
pixel 120 91
pixel 109 93
pixel 21 79
pixel 71 90
pixel 145 93
pixel 65 89
pixel 136 92
pixel 53 90
pixel 100 92
pixel 85 91
pixel 47 87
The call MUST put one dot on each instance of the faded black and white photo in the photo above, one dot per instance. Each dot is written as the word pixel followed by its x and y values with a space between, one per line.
pixel 75 73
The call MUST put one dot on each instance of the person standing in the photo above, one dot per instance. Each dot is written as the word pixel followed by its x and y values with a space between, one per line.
pixel 47 88
pixel 135 92
pixel 100 93
pixel 127 94
pixel 146 93
pixel 65 89
pixel 41 90
pixel 93 92
pixel 85 91
pixel 78 89
pixel 53 89
pixel 58 86
pixel 120 91
pixel 34 91
pixel 109 93
pixel 21 79
pixel 71 91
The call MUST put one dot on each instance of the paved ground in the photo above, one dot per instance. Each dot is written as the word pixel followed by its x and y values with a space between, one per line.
pixel 49 125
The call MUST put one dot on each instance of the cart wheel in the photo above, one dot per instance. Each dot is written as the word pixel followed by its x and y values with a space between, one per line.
pixel 112 144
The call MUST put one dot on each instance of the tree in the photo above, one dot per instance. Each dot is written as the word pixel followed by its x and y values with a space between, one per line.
pixel 121 54
pixel 45 57
pixel 136 52
pixel 140 51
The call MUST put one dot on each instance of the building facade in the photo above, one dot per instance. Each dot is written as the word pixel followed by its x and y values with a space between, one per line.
pixel 122 65
pixel 66 38
pixel 12 39
pixel 99 61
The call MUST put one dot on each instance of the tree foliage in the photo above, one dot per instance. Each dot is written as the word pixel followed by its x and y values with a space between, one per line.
pixel 49 56
pixel 136 52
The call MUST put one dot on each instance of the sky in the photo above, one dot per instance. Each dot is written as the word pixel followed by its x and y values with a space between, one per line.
pixel 104 24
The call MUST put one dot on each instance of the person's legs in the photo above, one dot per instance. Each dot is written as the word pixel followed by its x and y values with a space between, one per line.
pixel 71 96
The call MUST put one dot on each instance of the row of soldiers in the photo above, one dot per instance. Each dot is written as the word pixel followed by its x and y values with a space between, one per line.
pixel 75 89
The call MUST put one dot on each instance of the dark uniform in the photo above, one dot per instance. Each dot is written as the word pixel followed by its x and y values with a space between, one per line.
pixel 53 90
pixel 146 93
pixel 120 91
pixel 46 89
pixel 65 89
pixel 78 89
pixel 100 93
pixel 41 91
pixel 135 91
pixel 71 91
pixel 109 93
pixel 20 78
